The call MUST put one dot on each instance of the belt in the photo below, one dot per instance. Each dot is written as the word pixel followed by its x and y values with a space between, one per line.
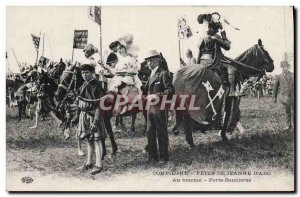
pixel 87 109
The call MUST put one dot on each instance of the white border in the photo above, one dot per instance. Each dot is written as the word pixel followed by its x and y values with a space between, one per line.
pixel 108 2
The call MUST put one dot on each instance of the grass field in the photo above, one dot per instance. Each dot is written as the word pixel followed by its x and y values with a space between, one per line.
pixel 264 145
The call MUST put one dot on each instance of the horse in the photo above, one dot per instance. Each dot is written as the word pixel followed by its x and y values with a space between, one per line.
pixel 210 90
pixel 70 81
pixel 56 71
pixel 144 75
pixel 25 95
pixel 12 84
pixel 46 87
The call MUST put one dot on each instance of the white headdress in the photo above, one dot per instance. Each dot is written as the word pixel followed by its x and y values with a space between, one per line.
pixel 127 42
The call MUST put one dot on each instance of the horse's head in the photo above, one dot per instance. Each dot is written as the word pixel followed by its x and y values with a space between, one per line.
pixel 257 58
pixel 57 70
pixel 71 79
pixel 45 80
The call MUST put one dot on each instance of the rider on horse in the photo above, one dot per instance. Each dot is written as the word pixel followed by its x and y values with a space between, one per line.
pixel 125 73
pixel 210 46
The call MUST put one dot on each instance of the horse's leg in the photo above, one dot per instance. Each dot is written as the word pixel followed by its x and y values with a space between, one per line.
pixel 226 119
pixel 233 116
pixel 132 127
pixel 59 122
pixel 111 136
pixel 117 121
pixel 28 111
pixel 240 127
pixel 36 119
pixel 67 125
pixel 43 117
pixel 122 123
pixel 20 110
pixel 188 132
pixel 145 117
pixel 178 118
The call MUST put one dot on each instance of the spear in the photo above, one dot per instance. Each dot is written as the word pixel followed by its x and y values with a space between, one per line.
pixel 16 58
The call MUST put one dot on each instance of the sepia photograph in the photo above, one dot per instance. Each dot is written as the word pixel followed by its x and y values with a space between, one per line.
pixel 150 98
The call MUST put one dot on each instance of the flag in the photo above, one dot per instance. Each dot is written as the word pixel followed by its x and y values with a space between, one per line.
pixel 94 13
pixel 80 39
pixel 36 41
pixel 181 23
pixel 43 62
pixel 184 31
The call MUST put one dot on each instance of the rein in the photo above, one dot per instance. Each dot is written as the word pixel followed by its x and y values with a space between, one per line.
pixel 230 61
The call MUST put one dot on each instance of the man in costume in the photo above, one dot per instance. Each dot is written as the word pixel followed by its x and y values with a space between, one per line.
pixel 90 124
pixel 210 52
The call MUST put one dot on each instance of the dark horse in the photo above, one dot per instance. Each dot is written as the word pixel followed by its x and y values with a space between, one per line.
pixel 25 96
pixel 70 82
pixel 13 92
pixel 46 87
pixel 56 71
pixel 210 89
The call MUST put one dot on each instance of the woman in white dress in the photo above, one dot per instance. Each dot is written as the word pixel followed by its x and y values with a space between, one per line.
pixel 125 73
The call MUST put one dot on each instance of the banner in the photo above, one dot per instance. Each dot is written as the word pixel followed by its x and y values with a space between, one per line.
pixel 184 31
pixel 36 41
pixel 43 61
pixel 80 39
pixel 94 13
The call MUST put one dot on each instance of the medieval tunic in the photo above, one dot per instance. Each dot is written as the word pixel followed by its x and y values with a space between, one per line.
pixel 211 46
pixel 89 97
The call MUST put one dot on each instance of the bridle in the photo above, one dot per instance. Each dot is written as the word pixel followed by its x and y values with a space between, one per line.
pixel 68 87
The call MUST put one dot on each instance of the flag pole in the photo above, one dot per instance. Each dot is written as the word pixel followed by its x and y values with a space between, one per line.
pixel 7 63
pixel 37 55
pixel 100 48
pixel 72 53
pixel 179 52
pixel 43 44
pixel 16 58
pixel 50 46
pixel 37 51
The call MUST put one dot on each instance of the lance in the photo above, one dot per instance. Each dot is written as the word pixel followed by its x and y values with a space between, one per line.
pixel 37 51
pixel 16 58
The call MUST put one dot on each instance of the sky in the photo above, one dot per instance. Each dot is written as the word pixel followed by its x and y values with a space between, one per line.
pixel 151 27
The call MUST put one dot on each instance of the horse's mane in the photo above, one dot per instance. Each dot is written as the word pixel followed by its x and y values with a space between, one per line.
pixel 257 61
pixel 247 55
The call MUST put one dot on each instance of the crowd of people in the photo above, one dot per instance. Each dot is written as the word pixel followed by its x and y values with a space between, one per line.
pixel 118 74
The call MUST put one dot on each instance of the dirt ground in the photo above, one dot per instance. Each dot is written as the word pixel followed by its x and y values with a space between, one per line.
pixel 47 158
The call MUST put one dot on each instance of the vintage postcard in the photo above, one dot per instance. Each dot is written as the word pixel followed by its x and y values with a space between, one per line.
pixel 157 98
